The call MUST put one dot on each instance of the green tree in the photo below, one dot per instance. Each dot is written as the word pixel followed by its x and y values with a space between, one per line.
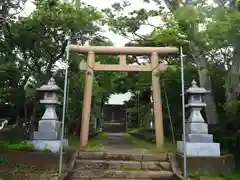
pixel 40 39
pixel 178 28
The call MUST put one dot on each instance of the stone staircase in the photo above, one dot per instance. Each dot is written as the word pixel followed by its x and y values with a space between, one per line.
pixel 114 127
pixel 114 165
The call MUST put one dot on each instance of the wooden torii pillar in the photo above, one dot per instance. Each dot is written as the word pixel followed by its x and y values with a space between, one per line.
pixel 92 66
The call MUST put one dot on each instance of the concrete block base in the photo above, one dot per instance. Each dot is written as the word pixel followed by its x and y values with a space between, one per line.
pixel 51 145
pixel 199 149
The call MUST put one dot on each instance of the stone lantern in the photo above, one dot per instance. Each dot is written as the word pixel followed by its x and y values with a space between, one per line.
pixel 198 141
pixel 48 135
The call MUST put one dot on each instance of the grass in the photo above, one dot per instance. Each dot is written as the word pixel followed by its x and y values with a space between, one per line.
pixel 22 146
pixel 94 144
pixel 211 178
pixel 74 141
pixel 168 146
pixel 235 176
pixel 31 173
pixel 133 130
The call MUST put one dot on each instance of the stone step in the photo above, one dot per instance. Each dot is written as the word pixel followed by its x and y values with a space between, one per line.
pixel 122 156
pixel 122 165
pixel 110 179
pixel 95 174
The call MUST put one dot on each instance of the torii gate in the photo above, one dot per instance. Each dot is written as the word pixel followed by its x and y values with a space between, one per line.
pixel 92 66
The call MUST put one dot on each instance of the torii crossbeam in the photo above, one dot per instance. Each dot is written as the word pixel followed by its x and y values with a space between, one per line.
pixel 152 67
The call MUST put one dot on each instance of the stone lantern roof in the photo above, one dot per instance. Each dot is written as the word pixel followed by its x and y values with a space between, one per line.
pixel 50 87
pixel 194 89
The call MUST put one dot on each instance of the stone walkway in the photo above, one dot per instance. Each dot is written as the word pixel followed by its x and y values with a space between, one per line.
pixel 117 142
pixel 121 159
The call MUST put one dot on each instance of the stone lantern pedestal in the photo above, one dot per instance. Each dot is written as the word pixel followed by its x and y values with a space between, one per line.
pixel 48 136
pixel 198 141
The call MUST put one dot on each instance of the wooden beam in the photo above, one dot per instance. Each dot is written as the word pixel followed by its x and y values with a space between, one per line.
pixel 122 67
pixel 123 50
pixel 117 67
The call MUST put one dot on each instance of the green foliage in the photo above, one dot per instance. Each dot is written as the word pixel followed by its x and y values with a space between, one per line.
pixel 235 176
pixel 34 46
pixel 96 143
pixel 11 135
pixel 208 34
pixel 3 161
pixel 46 150
pixel 20 146
pixel 146 143
pixel 45 32
pixel 232 106
pixel 39 40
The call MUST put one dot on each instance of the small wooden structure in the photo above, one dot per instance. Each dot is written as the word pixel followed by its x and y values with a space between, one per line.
pixel 152 67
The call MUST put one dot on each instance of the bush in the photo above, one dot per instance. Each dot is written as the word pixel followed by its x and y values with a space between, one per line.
pixel 20 146
pixel 11 135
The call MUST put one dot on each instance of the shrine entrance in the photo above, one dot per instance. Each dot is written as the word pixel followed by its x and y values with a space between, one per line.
pixel 153 67
pixel 114 118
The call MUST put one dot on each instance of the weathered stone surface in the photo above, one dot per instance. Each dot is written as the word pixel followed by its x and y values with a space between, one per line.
pixel 122 156
pixel 121 159
pixel 54 135
pixel 196 128
pixel 123 174
pixel 109 156
pixel 199 149
pixel 111 164
pixel 157 165
pixel 155 157
pixel 52 145
pixel 108 179
pixel 205 138
pixel 89 155
pixel 49 125
pixel 122 165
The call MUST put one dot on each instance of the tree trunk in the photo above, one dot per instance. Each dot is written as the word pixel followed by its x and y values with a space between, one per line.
pixel 232 80
pixel 101 114
pixel 77 126
pixel 211 108
pixel 25 110
pixel 204 79
pixel 33 119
